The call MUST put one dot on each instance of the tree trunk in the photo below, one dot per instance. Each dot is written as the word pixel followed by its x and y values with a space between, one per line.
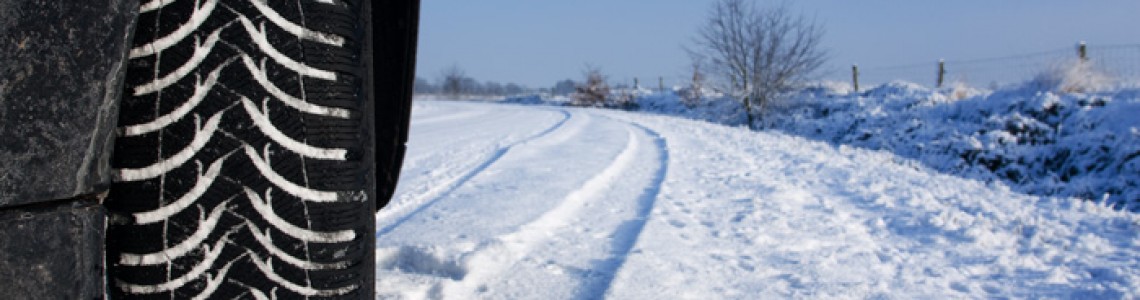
pixel 748 111
pixel 761 107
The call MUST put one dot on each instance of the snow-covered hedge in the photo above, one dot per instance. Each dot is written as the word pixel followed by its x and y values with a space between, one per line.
pixel 712 108
pixel 1040 138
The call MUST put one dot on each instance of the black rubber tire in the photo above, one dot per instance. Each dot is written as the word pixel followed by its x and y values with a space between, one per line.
pixel 247 158
pixel 396 29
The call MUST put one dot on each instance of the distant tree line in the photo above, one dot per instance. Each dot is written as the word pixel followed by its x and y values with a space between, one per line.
pixel 453 81
pixel 564 88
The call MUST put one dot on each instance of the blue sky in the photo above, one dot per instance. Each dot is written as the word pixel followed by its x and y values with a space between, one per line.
pixel 538 42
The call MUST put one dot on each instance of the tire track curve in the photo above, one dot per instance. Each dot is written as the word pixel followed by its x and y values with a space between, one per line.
pixel 631 230
pixel 495 257
pixel 427 199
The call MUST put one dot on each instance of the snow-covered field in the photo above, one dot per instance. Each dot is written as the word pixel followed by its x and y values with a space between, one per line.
pixel 507 202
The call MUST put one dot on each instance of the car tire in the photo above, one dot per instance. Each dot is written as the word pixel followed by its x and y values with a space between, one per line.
pixel 254 136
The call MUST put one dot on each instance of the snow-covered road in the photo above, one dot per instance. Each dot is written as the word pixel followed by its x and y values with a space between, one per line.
pixel 508 202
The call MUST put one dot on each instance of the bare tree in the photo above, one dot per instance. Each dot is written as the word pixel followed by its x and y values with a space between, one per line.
pixel 760 52
pixel 469 86
pixel 594 92
pixel 452 81
pixel 691 95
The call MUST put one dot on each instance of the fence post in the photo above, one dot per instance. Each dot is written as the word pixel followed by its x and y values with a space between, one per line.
pixel 1082 51
pixel 661 84
pixel 636 85
pixel 855 76
pixel 941 71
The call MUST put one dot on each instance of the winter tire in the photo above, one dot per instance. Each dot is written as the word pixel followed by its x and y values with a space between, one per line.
pixel 250 155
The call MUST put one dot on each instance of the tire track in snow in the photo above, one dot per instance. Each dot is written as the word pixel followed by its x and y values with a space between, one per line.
pixel 429 198
pixel 493 259
pixel 440 154
pixel 630 231
pixel 438 130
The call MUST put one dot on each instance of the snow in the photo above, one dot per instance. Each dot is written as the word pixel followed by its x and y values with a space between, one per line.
pixel 504 201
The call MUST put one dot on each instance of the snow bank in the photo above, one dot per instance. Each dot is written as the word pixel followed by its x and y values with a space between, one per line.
pixel 1037 138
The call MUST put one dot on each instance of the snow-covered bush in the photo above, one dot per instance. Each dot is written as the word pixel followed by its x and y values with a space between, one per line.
pixel 714 107
pixel 525 100
pixel 1072 77
pixel 624 99
pixel 594 92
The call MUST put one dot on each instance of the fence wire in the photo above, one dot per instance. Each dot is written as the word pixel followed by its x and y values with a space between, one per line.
pixel 1119 62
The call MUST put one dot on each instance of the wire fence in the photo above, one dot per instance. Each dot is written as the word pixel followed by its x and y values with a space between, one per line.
pixel 1119 62
pixel 653 83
